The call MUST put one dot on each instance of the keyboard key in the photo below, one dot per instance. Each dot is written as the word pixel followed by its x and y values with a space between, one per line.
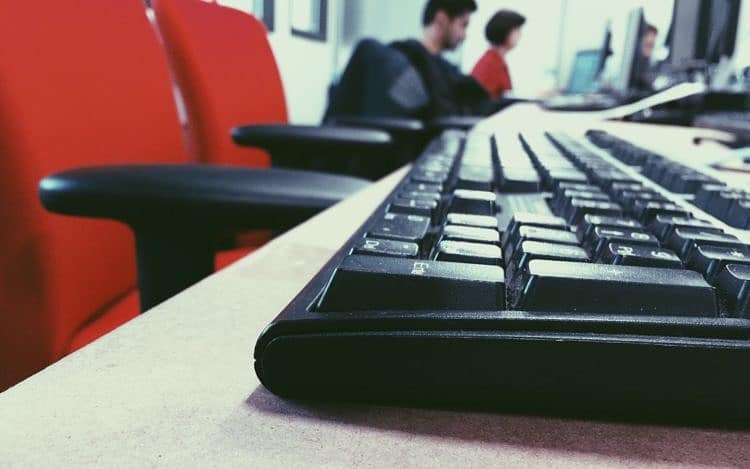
pixel 721 202
pixel 519 180
pixel 690 183
pixel 471 253
pixel 640 256
pixel 706 193
pixel 608 178
pixel 739 215
pixel 711 260
pixel 601 237
pixel 734 282
pixel 425 208
pixel 477 221
pixel 531 250
pixel 684 240
pixel 576 187
pixel 429 177
pixel 563 201
pixel 475 179
pixel 590 222
pixel 384 247
pixel 618 188
pixel 663 225
pixel 421 187
pixel 531 219
pixel 646 211
pixel 536 233
pixel 472 234
pixel 400 227
pixel 578 208
pixel 421 195
pixel 627 199
pixel 473 202
pixel 553 286
pixel 367 283
pixel 557 177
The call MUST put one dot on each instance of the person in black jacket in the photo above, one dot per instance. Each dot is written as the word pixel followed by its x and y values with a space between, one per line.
pixel 451 92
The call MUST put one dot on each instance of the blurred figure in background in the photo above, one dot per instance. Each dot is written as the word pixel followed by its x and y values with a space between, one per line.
pixel 445 23
pixel 644 73
pixel 503 31
pixel 648 44
pixel 451 92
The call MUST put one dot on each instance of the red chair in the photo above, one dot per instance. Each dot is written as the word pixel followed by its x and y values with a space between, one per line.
pixel 227 73
pixel 86 83
pixel 67 100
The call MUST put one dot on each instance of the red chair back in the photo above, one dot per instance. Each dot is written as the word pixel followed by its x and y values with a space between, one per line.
pixel 227 74
pixel 81 83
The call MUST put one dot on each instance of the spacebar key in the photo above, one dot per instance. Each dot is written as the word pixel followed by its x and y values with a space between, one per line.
pixel 368 283
pixel 557 286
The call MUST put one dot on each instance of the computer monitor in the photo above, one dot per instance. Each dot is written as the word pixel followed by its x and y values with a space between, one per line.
pixel 629 53
pixel 702 31
pixel 722 33
pixel 586 68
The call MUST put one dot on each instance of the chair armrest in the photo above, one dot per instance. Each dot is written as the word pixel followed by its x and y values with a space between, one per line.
pixel 393 125
pixel 410 136
pixel 177 212
pixel 215 196
pixel 455 122
pixel 311 140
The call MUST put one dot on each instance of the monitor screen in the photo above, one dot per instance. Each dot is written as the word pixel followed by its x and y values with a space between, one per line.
pixel 683 34
pixel 722 29
pixel 703 30
pixel 585 72
pixel 626 51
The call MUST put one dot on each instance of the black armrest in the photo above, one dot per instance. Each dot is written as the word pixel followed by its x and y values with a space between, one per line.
pixel 343 150
pixel 410 136
pixel 177 211
pixel 393 125
pixel 220 196
pixel 300 139
pixel 455 122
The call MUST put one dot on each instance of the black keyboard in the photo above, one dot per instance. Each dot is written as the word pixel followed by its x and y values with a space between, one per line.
pixel 536 273
pixel 736 122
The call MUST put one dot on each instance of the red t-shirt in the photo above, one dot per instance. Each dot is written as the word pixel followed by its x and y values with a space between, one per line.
pixel 492 73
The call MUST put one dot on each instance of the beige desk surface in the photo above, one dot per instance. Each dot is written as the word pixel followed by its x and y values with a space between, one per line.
pixel 175 388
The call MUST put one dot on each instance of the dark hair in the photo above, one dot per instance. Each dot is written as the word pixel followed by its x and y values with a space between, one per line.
pixel 501 25
pixel 452 8
pixel 650 28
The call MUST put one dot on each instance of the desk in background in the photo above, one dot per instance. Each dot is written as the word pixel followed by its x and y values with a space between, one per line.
pixel 175 387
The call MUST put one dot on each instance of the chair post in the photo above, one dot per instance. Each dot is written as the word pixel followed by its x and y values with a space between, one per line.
pixel 169 261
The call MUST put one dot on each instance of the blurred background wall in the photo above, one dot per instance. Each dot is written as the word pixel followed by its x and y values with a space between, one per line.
pixel 555 31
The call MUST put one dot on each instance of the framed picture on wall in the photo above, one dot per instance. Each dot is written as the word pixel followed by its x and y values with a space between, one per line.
pixel 264 11
pixel 309 19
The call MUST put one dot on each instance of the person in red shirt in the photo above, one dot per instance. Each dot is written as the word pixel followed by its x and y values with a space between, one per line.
pixel 503 31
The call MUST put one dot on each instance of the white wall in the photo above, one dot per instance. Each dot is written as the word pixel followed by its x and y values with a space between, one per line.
pixel 306 66
pixel 385 20
pixel 533 64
